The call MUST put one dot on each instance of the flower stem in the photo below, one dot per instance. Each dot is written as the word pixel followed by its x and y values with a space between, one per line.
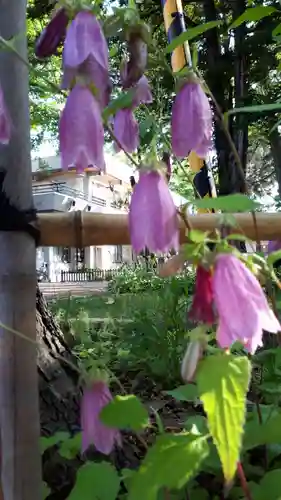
pixel 243 481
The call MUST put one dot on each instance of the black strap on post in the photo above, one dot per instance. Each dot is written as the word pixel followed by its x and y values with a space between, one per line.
pixel 13 219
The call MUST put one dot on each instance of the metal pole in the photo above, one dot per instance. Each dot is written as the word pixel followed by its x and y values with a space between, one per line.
pixel 175 25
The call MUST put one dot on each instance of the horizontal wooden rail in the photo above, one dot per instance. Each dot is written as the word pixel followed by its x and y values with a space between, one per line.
pixel 83 229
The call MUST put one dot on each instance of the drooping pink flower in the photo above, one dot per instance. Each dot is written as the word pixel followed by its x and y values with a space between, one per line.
pixel 191 121
pixel 153 217
pixel 5 121
pixel 52 36
pixel 104 438
pixel 125 126
pixel 81 131
pixel 90 72
pixel 142 92
pixel 85 39
pixel 202 308
pixel 126 130
pixel 241 305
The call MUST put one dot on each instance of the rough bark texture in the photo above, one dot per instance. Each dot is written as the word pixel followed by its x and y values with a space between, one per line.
pixel 59 397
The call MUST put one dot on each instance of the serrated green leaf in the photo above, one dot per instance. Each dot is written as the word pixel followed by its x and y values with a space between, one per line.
pixel 125 412
pixel 96 481
pixel 71 447
pixel 222 384
pixel 48 442
pixel 170 462
pixel 253 14
pixel 188 392
pixel 190 34
pixel 231 203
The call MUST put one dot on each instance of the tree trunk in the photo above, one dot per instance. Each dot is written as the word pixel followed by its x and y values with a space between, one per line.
pixel 275 146
pixel 59 397
pixel 221 67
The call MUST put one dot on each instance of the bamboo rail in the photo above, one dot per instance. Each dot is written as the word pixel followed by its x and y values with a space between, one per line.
pixel 82 229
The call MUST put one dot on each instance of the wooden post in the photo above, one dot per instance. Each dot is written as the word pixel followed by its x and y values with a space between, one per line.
pixel 19 401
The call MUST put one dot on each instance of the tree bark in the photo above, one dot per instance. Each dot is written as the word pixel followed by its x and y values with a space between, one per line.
pixel 59 394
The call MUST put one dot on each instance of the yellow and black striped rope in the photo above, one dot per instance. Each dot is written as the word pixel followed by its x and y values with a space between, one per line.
pixel 174 24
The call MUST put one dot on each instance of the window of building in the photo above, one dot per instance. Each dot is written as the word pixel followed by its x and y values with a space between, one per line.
pixel 118 254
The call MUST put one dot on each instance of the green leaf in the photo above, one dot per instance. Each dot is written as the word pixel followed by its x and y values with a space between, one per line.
pixel 196 424
pixel 48 442
pixel 45 490
pixel 257 434
pixel 123 101
pixel 237 237
pixel 231 203
pixel 71 447
pixel 197 236
pixel 223 383
pixel 253 14
pixel 96 482
pixel 170 462
pixel 277 30
pixel 125 412
pixel 273 257
pixel 262 108
pixel 188 392
pixel 270 486
pixel 190 34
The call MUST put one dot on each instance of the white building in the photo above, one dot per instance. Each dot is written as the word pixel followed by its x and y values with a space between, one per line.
pixel 56 190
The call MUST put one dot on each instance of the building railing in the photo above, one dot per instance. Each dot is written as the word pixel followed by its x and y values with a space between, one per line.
pixel 88 275
pixel 63 188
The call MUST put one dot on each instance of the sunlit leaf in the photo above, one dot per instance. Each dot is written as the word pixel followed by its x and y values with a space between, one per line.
pixel 190 34
pixel 223 382
pixel 125 412
pixel 170 463
pixel 231 203
pixel 197 236
pixel 96 481
pixel 253 14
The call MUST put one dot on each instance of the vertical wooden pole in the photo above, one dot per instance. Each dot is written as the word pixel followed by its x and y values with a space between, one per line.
pixel 175 25
pixel 19 408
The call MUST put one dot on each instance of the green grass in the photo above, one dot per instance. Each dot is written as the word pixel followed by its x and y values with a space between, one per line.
pixel 102 306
